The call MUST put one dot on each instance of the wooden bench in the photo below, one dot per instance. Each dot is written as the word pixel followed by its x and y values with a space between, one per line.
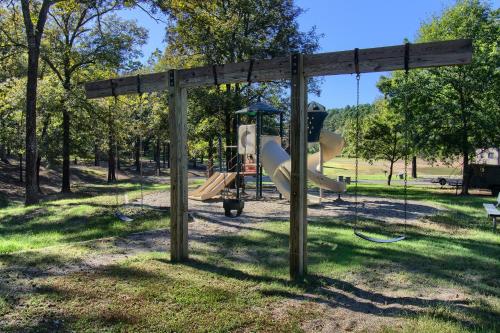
pixel 493 211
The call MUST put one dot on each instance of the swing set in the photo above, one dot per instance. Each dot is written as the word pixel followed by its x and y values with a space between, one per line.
pixel 296 68
pixel 357 230
pixel 118 213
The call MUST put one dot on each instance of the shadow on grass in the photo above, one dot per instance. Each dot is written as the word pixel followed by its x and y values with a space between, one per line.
pixel 472 264
pixel 78 226
pixel 4 202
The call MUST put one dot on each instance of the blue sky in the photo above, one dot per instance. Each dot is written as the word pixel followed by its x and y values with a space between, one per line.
pixel 345 25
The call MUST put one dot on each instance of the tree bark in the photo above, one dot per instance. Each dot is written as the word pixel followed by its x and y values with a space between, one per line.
pixel 33 37
pixel 389 178
pixel 96 155
pixel 118 161
pixel 414 167
pixel 66 151
pixel 465 173
pixel 31 140
pixel 465 144
pixel 137 155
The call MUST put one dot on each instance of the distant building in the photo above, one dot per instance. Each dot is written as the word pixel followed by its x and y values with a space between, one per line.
pixel 488 156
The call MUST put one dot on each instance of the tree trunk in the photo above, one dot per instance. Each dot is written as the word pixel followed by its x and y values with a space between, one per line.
pixel 389 178
pixel 465 143
pixel 164 156
pixel 33 37
pixel 66 152
pixel 21 168
pixel 3 154
pixel 414 167
pixel 75 161
pixel 96 155
pixel 137 155
pixel 31 140
pixel 118 160
pixel 465 174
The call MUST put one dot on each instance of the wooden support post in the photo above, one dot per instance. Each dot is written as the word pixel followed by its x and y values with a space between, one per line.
pixel 178 169
pixel 298 152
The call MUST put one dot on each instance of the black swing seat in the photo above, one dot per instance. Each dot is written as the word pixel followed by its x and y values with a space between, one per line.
pixel 233 205
pixel 379 240
pixel 123 217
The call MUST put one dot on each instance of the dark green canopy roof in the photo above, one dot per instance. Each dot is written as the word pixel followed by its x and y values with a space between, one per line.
pixel 255 108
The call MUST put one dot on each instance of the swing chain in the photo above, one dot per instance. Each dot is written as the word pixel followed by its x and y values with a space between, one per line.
pixel 405 85
pixel 356 152
pixel 356 144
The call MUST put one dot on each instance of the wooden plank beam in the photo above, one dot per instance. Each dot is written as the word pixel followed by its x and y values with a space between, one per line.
pixel 445 53
pixel 298 179
pixel 178 168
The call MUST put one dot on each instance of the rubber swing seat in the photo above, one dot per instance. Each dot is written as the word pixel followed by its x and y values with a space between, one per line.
pixel 123 217
pixel 379 240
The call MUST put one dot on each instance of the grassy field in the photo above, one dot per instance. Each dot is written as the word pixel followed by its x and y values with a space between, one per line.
pixel 240 281
pixel 86 214
pixel 375 171
pixel 443 278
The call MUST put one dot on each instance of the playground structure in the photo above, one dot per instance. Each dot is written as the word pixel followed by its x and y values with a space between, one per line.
pixel 277 162
pixel 265 151
pixel 297 68
pixel 250 138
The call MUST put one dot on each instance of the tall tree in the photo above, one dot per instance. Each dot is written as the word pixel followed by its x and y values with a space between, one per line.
pixel 455 110
pixel 382 135
pixel 81 35
pixel 223 31
pixel 35 17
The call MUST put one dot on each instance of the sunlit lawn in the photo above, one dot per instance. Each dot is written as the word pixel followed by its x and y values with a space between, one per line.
pixel 86 214
pixel 239 282
pixel 376 171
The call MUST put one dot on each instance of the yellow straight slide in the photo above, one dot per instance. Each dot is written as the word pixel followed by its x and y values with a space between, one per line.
pixel 213 186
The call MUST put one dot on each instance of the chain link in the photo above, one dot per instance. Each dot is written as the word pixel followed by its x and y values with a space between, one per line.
pixel 356 153
pixel 406 149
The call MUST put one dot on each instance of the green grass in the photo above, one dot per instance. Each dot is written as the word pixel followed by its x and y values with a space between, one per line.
pixel 239 282
pixel 86 214
pixel 345 167
pixel 459 211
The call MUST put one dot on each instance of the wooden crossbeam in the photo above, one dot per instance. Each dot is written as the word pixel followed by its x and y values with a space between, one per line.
pixel 381 59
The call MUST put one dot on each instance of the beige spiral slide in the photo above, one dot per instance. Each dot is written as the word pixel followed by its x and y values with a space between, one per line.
pixel 277 163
